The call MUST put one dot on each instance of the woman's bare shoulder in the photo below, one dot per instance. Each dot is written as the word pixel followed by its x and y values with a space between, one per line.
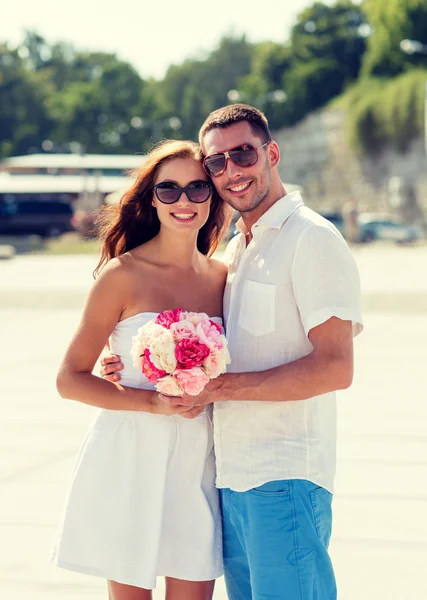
pixel 121 273
pixel 126 265
pixel 218 267
pixel 115 269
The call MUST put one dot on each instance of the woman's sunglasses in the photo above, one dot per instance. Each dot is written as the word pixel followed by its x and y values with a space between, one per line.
pixel 245 155
pixel 196 191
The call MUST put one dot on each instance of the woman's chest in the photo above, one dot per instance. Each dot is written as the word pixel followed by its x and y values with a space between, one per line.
pixel 194 293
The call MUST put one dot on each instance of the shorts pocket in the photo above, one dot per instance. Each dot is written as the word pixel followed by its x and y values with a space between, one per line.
pixel 258 308
pixel 321 504
pixel 273 488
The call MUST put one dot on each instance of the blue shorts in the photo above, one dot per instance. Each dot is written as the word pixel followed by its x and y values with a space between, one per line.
pixel 276 539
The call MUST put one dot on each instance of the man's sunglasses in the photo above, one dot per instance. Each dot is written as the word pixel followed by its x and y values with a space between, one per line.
pixel 196 191
pixel 245 155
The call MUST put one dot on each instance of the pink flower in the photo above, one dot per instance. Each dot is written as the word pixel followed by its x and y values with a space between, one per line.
pixel 167 317
pixel 215 324
pixel 193 317
pixel 151 372
pixel 169 386
pixel 183 329
pixel 192 381
pixel 208 334
pixel 190 353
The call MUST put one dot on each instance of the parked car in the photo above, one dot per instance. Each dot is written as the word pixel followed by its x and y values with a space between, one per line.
pixel 44 218
pixel 377 227
pixel 336 219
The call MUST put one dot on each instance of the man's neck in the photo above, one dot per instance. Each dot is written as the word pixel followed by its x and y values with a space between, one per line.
pixel 277 191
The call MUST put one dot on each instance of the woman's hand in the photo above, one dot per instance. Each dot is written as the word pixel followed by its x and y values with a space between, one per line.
pixel 161 405
pixel 211 393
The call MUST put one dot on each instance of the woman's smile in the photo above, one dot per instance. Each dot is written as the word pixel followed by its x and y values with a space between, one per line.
pixel 184 216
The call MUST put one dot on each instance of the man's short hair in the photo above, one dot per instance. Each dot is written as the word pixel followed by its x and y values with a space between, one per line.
pixel 235 113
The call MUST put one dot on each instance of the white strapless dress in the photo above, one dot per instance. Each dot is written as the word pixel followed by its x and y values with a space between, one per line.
pixel 142 501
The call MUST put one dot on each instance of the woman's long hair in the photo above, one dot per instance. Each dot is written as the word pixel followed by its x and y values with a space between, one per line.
pixel 134 220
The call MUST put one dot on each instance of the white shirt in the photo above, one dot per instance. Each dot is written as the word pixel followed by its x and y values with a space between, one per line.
pixel 296 273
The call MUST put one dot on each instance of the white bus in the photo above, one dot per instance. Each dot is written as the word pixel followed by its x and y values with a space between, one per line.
pixel 85 181
pixel 71 164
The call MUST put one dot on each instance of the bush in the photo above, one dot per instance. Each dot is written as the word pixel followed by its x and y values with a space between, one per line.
pixel 386 111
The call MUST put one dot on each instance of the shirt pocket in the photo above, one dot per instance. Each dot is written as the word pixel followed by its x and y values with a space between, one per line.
pixel 258 308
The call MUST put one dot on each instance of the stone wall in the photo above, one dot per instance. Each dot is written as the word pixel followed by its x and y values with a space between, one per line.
pixel 315 154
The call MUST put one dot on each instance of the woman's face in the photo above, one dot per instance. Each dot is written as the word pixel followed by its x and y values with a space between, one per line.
pixel 183 215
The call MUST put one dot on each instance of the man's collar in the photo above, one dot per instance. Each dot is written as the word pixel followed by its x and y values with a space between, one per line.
pixel 277 214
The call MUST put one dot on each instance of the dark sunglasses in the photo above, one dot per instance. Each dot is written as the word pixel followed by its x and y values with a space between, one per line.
pixel 245 155
pixel 196 191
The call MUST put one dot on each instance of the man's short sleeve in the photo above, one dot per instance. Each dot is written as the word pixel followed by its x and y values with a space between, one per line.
pixel 325 279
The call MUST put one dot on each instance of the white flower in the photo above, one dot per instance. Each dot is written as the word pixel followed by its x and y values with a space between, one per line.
pixel 143 339
pixel 162 352
pixel 169 386
pixel 216 362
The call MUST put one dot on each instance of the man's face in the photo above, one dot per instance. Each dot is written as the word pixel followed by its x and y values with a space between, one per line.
pixel 244 188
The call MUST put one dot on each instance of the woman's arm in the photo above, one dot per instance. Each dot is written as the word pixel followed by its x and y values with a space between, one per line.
pixel 102 312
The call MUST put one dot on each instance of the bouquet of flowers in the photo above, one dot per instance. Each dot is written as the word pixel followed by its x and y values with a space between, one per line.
pixel 180 351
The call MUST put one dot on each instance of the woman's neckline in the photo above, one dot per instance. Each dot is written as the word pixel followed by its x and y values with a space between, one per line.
pixel 154 314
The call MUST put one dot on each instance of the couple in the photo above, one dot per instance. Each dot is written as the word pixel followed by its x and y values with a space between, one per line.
pixel 143 501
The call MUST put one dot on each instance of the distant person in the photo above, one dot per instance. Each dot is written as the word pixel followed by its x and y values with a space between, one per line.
pixel 350 215
pixel 143 501
pixel 291 308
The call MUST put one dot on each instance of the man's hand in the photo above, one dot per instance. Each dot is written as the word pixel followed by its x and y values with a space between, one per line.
pixel 162 405
pixel 110 365
pixel 210 394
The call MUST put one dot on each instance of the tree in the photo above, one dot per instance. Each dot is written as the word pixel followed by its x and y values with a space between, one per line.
pixel 323 56
pixel 310 86
pixel 393 21
pixel 96 106
pixel 196 87
pixel 331 32
pixel 24 118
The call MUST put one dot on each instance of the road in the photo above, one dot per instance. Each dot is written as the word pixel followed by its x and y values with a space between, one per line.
pixel 379 544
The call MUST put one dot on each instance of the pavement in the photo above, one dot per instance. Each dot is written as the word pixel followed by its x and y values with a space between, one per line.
pixel 379 542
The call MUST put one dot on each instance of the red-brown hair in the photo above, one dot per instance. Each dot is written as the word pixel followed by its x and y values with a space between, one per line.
pixel 134 220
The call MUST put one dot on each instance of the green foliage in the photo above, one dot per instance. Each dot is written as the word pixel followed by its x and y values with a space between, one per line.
pixel 328 47
pixel 393 21
pixel 384 111
pixel 310 86
pixel 98 107
pixel 57 92
pixel 323 56
pixel 23 95
pixel 197 87
pixel 331 32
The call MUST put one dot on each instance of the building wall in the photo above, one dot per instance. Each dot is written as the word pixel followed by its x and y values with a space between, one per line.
pixel 315 154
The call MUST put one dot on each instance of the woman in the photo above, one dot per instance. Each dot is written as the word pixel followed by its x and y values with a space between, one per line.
pixel 142 502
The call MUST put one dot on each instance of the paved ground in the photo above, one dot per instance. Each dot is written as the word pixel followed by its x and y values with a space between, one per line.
pixel 379 544
pixel 393 278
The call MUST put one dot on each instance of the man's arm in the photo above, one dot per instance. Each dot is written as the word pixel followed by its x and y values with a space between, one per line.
pixel 327 368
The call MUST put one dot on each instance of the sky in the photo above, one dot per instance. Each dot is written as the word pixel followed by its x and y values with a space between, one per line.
pixel 152 34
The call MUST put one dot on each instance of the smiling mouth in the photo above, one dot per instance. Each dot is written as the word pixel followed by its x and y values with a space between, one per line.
pixel 241 188
pixel 184 216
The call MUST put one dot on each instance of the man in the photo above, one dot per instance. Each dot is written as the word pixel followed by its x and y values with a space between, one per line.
pixel 291 308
